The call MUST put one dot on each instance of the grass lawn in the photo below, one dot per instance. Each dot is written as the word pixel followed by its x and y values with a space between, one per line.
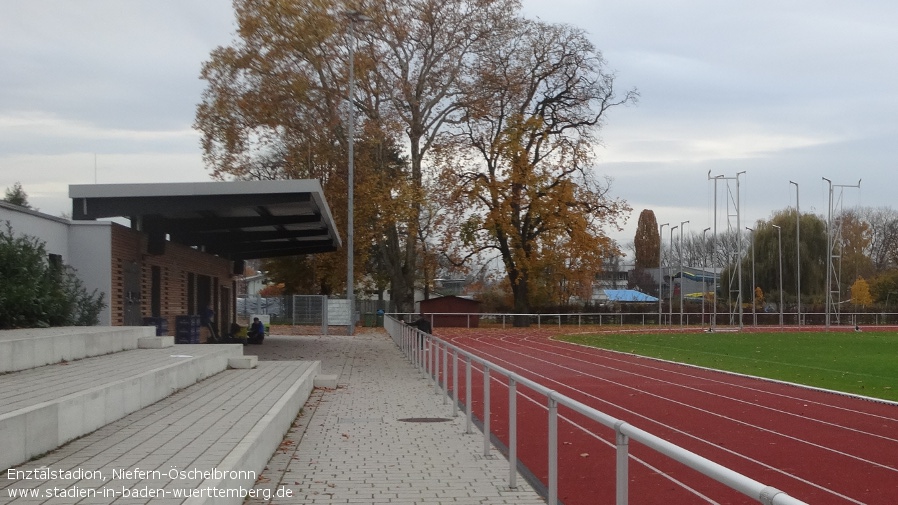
pixel 861 363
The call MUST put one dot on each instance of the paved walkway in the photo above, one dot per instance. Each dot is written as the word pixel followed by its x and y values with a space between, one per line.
pixel 348 445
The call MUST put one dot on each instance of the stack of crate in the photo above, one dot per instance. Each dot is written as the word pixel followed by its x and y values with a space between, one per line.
pixel 187 329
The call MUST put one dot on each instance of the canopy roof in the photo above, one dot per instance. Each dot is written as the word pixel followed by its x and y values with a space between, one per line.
pixel 235 220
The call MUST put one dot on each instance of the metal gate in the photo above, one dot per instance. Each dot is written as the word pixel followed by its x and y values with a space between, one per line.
pixel 310 310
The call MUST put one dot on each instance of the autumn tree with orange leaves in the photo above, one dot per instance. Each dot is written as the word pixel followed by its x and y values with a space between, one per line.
pixel 275 108
pixel 519 173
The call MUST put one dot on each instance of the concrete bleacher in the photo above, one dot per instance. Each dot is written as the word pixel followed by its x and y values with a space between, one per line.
pixel 118 399
pixel 29 348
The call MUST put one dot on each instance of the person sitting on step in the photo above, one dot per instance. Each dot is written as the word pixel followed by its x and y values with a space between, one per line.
pixel 256 332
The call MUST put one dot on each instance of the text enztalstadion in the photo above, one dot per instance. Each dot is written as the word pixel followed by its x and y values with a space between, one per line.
pixel 173 473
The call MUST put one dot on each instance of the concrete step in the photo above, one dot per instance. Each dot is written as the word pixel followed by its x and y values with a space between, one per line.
pixel 211 440
pixel 45 407
pixel 29 348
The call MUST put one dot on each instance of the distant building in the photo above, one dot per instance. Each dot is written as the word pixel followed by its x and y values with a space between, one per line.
pixel 452 311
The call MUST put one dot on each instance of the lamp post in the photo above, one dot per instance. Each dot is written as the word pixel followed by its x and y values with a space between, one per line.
pixel 704 273
pixel 754 310
pixel 354 18
pixel 670 291
pixel 780 243
pixel 797 253
pixel 660 274
pixel 680 256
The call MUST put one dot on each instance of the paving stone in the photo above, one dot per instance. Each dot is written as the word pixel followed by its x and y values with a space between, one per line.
pixel 349 447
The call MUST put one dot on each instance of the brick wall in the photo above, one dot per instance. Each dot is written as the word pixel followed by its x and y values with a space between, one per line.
pixel 175 265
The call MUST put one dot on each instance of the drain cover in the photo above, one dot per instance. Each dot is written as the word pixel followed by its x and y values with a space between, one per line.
pixel 424 420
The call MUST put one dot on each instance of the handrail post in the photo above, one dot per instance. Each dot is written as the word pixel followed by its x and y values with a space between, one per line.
pixel 455 383
pixel 623 460
pixel 486 410
pixel 436 369
pixel 445 373
pixel 420 345
pixel 432 361
pixel 468 395
pixel 553 450
pixel 512 433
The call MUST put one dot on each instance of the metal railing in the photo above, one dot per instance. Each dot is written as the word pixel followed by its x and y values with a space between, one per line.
pixel 759 319
pixel 413 344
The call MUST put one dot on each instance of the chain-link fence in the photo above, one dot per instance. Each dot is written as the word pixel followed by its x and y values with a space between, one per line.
pixel 277 308
pixel 315 313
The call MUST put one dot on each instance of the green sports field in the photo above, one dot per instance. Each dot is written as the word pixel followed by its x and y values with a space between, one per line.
pixel 862 363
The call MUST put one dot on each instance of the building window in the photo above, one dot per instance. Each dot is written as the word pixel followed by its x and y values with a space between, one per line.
pixel 55 261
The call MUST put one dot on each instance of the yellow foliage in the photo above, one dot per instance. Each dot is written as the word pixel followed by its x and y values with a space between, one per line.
pixel 860 292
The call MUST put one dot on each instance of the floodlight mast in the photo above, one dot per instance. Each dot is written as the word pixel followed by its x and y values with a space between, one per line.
pixel 713 322
pixel 779 232
pixel 680 256
pixel 797 254
pixel 831 273
pixel 754 310
pixel 670 290
pixel 660 272
pixel 737 208
pixel 704 272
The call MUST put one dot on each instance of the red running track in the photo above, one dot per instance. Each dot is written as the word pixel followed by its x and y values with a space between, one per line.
pixel 819 447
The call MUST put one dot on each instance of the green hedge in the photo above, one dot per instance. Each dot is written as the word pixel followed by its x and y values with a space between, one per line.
pixel 35 293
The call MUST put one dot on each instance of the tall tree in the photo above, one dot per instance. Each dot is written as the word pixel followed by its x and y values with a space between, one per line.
pixel 766 258
pixel 274 104
pixel 647 242
pixel 882 248
pixel 17 196
pixel 425 47
pixel 856 236
pixel 522 170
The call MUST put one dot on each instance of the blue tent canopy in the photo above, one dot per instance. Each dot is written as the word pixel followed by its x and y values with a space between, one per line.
pixel 628 296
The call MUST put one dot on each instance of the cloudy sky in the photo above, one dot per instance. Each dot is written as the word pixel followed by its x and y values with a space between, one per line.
pixel 106 90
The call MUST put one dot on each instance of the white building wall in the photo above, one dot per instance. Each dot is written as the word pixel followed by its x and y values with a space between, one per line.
pixel 90 253
pixel 53 231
